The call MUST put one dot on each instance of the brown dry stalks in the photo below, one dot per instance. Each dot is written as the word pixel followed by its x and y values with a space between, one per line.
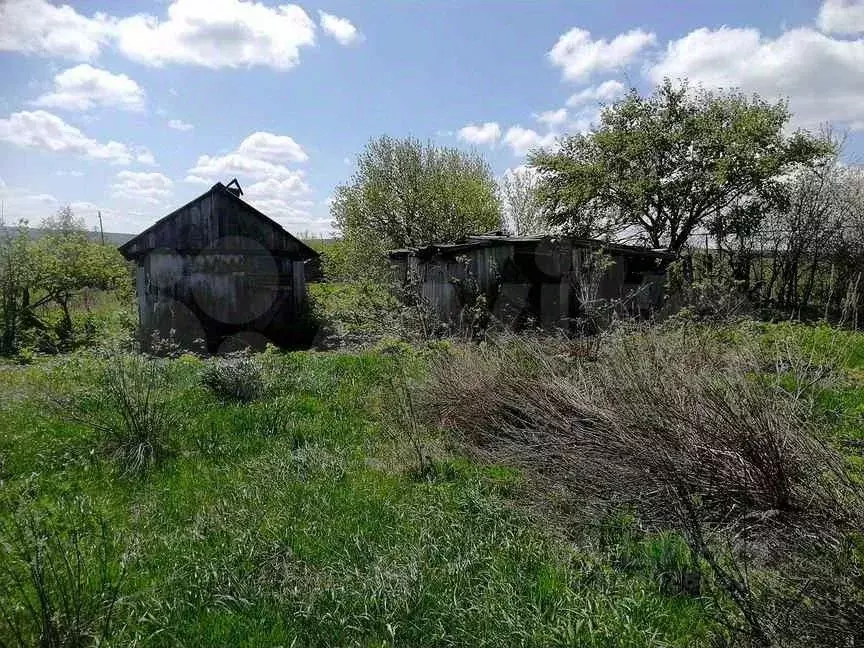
pixel 685 430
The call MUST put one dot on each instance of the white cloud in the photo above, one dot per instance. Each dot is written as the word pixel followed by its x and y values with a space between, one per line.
pixel 272 148
pixel 179 125
pixel 583 120
pixel 606 91
pixel 841 17
pixel 281 198
pixel 22 204
pixel 522 140
pixel 151 188
pixel 218 33
pixel 261 158
pixel 83 87
pixel 552 118
pixel 143 155
pixel 578 56
pixel 42 130
pixel 487 133
pixel 821 76
pixel 39 27
pixel 340 28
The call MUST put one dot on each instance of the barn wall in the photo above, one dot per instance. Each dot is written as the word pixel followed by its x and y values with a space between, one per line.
pixel 542 281
pixel 213 296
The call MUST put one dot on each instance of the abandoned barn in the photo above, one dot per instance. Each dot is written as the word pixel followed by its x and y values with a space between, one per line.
pixel 216 274
pixel 544 280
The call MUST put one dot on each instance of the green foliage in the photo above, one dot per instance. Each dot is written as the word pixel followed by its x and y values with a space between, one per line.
pixel 128 407
pixel 65 570
pixel 53 271
pixel 16 275
pixel 406 193
pixel 66 261
pixel 664 164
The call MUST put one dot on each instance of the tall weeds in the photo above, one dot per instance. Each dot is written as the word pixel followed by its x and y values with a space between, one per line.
pixel 60 579
pixel 129 408
pixel 685 430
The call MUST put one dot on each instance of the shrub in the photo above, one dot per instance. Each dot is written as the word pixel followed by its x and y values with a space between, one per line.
pixel 60 579
pixel 236 378
pixel 679 428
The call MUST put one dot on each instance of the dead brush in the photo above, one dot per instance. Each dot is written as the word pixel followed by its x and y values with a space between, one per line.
pixel 679 427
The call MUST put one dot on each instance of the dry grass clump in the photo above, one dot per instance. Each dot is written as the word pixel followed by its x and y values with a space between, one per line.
pixel 691 434
pixel 654 416
pixel 235 378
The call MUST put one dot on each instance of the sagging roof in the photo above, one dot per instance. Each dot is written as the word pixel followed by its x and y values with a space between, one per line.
pixel 160 234
pixel 491 239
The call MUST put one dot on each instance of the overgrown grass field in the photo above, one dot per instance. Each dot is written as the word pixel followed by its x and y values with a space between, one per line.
pixel 303 517
pixel 298 519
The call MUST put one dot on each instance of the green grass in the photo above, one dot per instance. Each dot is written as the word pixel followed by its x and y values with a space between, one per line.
pixel 298 519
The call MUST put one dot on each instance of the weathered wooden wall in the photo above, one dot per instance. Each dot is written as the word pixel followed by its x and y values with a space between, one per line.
pixel 216 270
pixel 536 279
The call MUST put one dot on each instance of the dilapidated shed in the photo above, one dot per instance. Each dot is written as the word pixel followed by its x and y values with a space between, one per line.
pixel 216 274
pixel 546 280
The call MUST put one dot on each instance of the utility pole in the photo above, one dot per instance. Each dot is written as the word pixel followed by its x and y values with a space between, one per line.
pixel 101 231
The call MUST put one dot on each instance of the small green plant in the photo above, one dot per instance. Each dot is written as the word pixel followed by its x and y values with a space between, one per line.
pixel 60 579
pixel 235 378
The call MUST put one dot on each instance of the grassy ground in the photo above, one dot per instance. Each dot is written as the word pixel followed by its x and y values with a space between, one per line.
pixel 299 519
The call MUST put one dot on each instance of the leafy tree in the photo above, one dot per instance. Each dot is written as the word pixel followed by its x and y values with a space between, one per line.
pixel 66 261
pixel 523 211
pixel 16 271
pixel 407 193
pixel 660 167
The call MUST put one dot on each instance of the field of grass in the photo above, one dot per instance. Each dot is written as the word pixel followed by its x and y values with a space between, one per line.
pixel 299 519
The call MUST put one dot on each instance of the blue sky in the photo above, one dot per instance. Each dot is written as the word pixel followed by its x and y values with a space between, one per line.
pixel 134 108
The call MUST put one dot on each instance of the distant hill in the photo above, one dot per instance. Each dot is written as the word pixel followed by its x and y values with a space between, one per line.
pixel 112 238
pixel 115 238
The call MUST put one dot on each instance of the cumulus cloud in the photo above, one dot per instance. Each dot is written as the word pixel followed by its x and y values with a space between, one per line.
pixel 143 155
pixel 522 140
pixel 841 16
pixel 39 27
pixel 579 56
pixel 272 148
pixel 179 125
pixel 606 91
pixel 84 87
pixel 340 28
pixel 210 33
pixel 820 75
pixel 218 33
pixel 482 134
pixel 22 203
pixel 552 118
pixel 150 188
pixel 262 158
pixel 43 130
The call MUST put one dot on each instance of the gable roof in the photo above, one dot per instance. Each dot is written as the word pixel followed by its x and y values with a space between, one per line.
pixel 142 242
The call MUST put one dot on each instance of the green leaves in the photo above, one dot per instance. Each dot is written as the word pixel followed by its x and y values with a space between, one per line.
pixel 406 193
pixel 662 165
